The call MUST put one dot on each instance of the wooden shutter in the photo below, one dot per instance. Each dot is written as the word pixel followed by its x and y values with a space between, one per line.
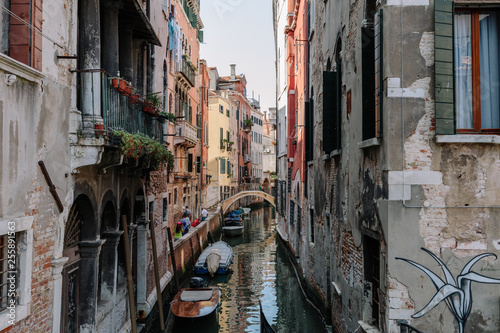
pixel 222 165
pixel 331 112
pixel 190 162
pixel 443 66
pixel 307 109
pixel 368 82
pixel 379 74
pixel 221 138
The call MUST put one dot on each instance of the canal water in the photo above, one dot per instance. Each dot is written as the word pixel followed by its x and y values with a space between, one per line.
pixel 261 272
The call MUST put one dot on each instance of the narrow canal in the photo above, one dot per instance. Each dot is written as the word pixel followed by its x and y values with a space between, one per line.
pixel 261 272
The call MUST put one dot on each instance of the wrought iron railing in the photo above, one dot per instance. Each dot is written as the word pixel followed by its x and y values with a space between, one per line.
pixel 186 68
pixel 120 110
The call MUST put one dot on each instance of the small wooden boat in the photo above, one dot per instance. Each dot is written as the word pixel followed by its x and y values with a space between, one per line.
pixel 195 302
pixel 265 327
pixel 233 226
pixel 233 231
pixel 215 259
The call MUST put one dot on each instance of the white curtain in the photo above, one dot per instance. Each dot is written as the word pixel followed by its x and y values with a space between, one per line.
pixel 463 70
pixel 490 69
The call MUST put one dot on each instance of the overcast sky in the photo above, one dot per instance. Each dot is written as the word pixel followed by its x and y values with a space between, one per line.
pixel 241 32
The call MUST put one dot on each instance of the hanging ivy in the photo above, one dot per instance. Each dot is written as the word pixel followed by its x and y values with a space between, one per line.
pixel 151 152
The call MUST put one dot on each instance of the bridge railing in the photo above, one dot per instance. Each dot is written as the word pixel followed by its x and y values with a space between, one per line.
pixel 254 187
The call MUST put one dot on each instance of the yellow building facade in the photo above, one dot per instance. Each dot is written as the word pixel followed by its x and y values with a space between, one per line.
pixel 221 143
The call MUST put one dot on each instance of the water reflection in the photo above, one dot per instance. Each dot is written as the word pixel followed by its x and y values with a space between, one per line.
pixel 261 271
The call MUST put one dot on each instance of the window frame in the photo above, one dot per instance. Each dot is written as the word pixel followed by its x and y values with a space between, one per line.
pixel 24 263
pixel 476 71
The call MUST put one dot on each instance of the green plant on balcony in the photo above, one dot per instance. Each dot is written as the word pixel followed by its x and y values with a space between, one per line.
pixel 169 116
pixel 153 154
pixel 156 99
pixel 248 123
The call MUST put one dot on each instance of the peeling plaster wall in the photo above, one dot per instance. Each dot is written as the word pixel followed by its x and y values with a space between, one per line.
pixel 401 192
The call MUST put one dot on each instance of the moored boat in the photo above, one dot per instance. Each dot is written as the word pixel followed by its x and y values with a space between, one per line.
pixel 233 230
pixel 233 226
pixel 215 259
pixel 265 327
pixel 195 302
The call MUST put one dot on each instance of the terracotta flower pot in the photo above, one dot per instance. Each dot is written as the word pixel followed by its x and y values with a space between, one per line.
pixel 99 130
pixel 135 98
pixel 115 82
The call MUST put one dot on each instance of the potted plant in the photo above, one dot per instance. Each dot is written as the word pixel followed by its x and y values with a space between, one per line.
pixel 99 129
pixel 155 102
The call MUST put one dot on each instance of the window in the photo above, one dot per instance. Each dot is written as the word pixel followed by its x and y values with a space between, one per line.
pixel 311 225
pixel 371 258
pixel 477 70
pixel 221 109
pixel 198 167
pixel 332 107
pixel 190 163
pixel 372 79
pixel 175 196
pixel 222 165
pixel 221 138
pixel 165 209
pixel 467 75
pixel 26 47
pixel 20 233
pixel 228 167
pixel 227 112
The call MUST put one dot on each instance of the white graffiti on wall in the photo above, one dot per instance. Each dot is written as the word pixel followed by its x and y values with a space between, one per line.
pixel 457 293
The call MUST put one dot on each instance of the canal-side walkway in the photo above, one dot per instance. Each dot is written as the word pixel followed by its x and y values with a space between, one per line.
pixel 186 250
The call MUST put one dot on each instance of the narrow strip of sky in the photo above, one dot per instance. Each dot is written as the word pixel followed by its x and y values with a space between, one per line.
pixel 241 32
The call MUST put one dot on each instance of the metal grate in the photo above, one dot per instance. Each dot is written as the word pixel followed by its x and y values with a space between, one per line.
pixel 8 273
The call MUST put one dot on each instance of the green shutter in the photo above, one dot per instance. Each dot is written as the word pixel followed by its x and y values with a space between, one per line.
pixel 222 165
pixel 221 138
pixel 331 112
pixel 379 73
pixel 307 109
pixel 368 84
pixel 443 66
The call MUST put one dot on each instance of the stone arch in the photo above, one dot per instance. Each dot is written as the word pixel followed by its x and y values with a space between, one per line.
pixel 228 202
pixel 87 205
pixel 108 212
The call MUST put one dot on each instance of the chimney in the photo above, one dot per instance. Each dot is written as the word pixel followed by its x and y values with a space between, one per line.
pixel 233 72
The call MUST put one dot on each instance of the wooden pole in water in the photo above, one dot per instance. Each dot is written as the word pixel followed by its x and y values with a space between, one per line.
pixel 157 272
pixel 130 282
pixel 173 257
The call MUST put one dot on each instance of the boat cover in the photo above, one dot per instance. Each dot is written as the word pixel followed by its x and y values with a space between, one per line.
pixel 196 295
pixel 213 260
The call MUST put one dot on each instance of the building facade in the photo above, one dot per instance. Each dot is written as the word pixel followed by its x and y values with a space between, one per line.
pixel 85 109
pixel 394 162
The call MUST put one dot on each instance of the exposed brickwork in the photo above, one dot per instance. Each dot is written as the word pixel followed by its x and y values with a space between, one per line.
pixel 352 260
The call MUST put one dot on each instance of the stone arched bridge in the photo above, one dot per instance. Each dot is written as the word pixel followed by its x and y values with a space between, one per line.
pixel 229 201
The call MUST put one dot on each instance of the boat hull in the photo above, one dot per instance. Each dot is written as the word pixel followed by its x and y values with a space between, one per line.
pixel 233 230
pixel 195 302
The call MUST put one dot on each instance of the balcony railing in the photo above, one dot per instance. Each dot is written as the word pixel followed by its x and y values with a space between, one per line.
pixel 186 70
pixel 118 110
pixel 247 158
pixel 185 134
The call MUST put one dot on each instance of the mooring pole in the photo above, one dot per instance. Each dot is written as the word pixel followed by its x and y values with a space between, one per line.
pixel 130 282
pixel 157 273
pixel 173 258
